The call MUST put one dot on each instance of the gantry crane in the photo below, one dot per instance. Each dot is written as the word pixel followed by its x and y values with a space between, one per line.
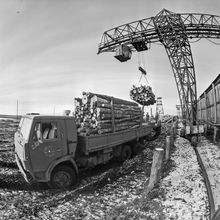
pixel 173 31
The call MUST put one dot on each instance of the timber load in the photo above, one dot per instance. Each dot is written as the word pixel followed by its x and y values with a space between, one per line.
pixel 142 95
pixel 99 114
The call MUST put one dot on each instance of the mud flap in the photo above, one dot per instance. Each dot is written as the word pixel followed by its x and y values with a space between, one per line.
pixel 28 178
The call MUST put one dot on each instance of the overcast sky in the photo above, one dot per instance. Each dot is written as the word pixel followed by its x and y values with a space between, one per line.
pixel 48 52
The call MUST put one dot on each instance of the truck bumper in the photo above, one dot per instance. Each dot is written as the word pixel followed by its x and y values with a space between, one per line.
pixel 27 176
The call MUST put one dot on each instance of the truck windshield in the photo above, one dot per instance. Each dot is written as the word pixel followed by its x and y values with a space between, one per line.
pixel 25 127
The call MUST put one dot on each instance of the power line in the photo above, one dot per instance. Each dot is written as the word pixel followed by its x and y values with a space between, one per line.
pixel 212 41
pixel 160 44
pixel 195 40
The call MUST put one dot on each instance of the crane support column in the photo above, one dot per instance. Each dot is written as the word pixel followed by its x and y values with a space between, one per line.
pixel 172 34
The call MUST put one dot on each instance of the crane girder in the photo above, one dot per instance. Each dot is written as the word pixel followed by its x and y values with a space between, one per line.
pixel 173 31
pixel 196 26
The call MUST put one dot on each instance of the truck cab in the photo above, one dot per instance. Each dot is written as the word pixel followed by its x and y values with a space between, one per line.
pixel 45 148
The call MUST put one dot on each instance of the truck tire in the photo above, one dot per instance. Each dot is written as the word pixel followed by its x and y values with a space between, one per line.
pixel 62 177
pixel 126 152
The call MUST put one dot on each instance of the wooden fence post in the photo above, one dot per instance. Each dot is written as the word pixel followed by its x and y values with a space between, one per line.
pixel 155 169
pixel 174 129
pixel 168 145
pixel 215 134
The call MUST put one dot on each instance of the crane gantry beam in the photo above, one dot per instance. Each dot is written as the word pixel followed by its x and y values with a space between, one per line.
pixel 173 30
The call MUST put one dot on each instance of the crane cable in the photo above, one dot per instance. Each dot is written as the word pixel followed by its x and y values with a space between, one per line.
pixel 212 41
pixel 206 39
pixel 143 70
pixel 195 40
pixel 144 77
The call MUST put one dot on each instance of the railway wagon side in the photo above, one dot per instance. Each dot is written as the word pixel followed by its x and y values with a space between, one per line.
pixel 208 104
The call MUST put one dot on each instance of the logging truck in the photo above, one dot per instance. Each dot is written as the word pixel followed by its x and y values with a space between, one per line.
pixel 49 149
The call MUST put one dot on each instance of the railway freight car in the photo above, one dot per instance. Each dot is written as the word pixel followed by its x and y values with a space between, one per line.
pixel 208 106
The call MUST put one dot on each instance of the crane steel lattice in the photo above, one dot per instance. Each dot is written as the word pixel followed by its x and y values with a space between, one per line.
pixel 173 30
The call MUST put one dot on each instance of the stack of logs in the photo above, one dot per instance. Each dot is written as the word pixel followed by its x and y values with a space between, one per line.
pixel 142 95
pixel 98 114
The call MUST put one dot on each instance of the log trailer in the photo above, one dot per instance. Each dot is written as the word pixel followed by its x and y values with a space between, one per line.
pixel 174 31
pixel 49 149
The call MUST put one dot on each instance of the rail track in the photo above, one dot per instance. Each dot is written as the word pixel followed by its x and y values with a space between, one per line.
pixel 214 211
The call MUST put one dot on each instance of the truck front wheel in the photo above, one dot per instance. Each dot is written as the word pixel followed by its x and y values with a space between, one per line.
pixel 62 177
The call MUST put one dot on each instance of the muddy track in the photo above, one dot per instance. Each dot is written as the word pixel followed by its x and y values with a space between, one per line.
pixel 14 181
pixel 90 181
pixel 6 150
pixel 4 141
pixel 11 165
pixel 139 163
pixel 38 197
pixel 70 195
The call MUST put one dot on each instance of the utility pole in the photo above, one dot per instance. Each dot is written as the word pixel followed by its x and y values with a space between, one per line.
pixel 159 107
pixel 17 109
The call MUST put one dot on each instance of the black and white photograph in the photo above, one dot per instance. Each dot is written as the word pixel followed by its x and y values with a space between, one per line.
pixel 109 110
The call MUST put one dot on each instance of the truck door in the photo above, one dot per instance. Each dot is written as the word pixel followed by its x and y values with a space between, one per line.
pixel 47 144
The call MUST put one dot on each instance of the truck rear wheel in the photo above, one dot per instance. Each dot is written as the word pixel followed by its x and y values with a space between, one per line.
pixel 137 148
pixel 62 177
pixel 126 152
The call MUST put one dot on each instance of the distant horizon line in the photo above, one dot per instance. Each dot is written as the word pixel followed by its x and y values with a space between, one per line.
pixel 9 116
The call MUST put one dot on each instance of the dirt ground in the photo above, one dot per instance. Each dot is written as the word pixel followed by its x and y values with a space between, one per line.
pixel 101 193
pixel 111 191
